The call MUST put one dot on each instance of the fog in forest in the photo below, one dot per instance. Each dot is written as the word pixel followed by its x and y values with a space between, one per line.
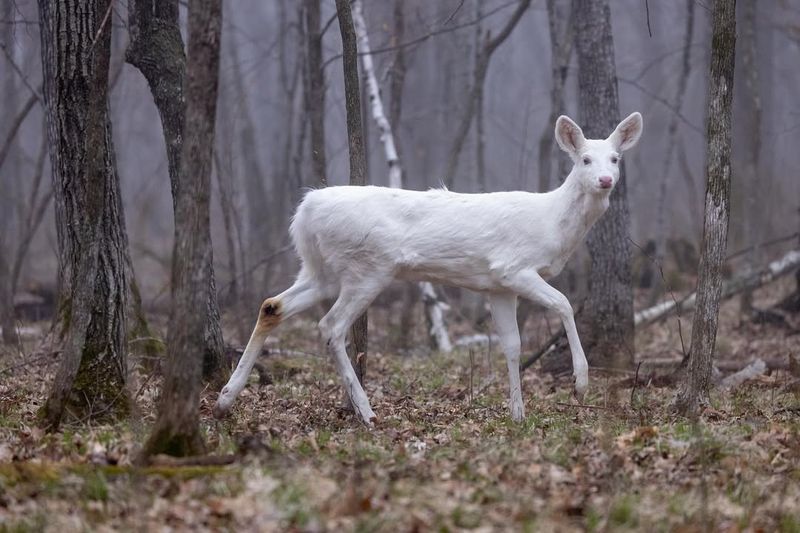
pixel 262 151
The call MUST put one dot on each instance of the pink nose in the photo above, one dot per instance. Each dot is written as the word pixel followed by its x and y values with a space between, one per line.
pixel 605 182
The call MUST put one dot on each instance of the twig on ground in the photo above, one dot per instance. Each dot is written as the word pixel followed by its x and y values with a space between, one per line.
pixel 635 382
pixel 196 460
pixel 581 405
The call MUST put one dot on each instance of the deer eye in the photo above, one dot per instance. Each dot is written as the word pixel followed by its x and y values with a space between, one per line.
pixel 615 160
pixel 587 161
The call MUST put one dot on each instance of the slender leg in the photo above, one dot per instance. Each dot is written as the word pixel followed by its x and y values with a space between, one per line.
pixel 299 297
pixel 352 302
pixel 531 285
pixel 504 312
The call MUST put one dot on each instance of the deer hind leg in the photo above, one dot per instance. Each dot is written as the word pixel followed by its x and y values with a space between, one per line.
pixel 504 312
pixel 297 298
pixel 353 300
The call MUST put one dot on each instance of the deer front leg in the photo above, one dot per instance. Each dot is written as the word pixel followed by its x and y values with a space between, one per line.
pixel 532 286
pixel 504 312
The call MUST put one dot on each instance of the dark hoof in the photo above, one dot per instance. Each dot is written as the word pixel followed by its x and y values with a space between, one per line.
pixel 219 412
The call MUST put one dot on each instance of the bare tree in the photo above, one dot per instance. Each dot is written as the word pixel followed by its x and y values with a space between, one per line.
pixel 606 323
pixel 156 49
pixel 93 274
pixel 176 430
pixel 480 137
pixel 9 93
pixel 476 91
pixel 398 72
pixel 358 161
pixel 693 391
pixel 6 299
pixel 315 91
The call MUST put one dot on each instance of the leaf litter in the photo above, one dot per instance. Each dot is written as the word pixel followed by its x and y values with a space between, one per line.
pixel 444 454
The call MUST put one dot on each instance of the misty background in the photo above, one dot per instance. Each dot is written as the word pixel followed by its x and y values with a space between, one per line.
pixel 262 160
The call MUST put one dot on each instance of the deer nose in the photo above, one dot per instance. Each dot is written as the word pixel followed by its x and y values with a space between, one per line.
pixel 605 182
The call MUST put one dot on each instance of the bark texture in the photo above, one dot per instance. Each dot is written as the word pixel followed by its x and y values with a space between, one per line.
pixel 156 49
pixel 694 388
pixel 7 322
pixel 92 274
pixel 358 159
pixel 315 91
pixel 177 430
pixel 606 324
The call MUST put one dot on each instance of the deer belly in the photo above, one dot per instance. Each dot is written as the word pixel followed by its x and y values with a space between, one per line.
pixel 461 271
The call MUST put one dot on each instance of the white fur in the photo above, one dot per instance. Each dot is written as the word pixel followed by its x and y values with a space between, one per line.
pixel 354 241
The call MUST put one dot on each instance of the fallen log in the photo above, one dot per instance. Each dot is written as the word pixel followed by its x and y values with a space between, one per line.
pixel 777 363
pixel 754 369
pixel 781 267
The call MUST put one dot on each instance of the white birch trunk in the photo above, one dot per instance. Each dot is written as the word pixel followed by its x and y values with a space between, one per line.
pixel 434 308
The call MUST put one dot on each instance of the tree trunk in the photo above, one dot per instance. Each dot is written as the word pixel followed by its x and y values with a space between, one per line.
pixel 358 160
pixel 156 49
pixel 606 323
pixel 177 431
pixel 93 275
pixel 6 206
pixel 693 391
pixel 6 300
pixel 315 92
pixel 480 140
pixel 398 72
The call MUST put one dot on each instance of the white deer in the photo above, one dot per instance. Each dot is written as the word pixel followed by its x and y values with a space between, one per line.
pixel 353 241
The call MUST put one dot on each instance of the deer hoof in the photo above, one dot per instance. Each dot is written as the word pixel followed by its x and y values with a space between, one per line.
pixel 219 412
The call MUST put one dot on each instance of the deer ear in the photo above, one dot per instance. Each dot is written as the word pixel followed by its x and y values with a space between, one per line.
pixel 569 135
pixel 627 133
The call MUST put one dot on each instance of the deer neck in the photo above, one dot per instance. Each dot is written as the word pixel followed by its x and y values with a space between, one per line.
pixel 579 209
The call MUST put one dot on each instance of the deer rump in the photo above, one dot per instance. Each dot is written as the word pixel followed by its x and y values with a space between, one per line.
pixel 467 240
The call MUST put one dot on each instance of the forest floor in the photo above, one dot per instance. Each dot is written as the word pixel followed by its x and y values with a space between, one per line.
pixel 444 454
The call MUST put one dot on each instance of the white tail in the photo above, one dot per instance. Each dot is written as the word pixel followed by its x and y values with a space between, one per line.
pixel 353 241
